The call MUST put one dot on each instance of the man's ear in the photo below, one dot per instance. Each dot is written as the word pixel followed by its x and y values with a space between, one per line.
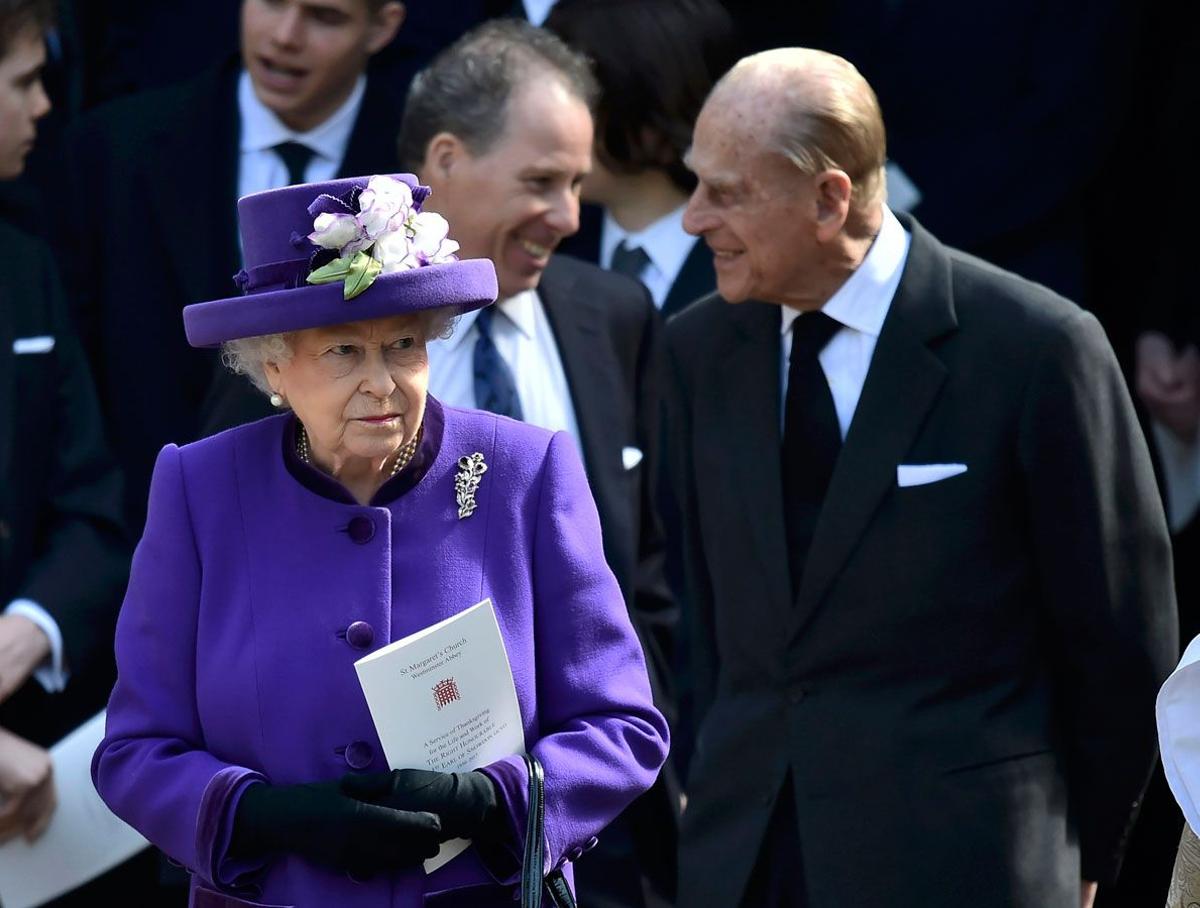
pixel 442 155
pixel 833 192
pixel 385 22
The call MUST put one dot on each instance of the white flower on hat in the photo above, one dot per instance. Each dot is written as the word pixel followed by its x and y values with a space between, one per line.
pixel 388 233
pixel 384 205
pixel 335 231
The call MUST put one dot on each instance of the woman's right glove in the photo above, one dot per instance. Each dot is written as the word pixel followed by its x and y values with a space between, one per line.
pixel 318 822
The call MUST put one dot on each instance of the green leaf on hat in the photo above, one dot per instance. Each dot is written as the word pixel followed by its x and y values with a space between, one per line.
pixel 357 273
pixel 364 269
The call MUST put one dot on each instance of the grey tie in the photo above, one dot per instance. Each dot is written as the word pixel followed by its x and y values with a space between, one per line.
pixel 295 157
pixel 629 260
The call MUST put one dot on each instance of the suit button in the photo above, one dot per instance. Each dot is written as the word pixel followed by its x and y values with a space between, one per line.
pixel 591 843
pixel 361 529
pixel 360 635
pixel 795 694
pixel 766 800
pixel 575 854
pixel 359 755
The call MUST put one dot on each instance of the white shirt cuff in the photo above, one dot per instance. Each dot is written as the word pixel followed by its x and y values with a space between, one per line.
pixel 49 674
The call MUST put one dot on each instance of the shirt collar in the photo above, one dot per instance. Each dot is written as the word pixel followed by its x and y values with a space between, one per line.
pixel 665 241
pixel 520 309
pixel 862 302
pixel 263 130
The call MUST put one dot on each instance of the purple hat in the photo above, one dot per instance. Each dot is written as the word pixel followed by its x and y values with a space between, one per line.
pixel 344 251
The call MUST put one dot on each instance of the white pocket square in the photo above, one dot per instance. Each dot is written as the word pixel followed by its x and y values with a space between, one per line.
pixel 631 457
pixel 43 343
pixel 920 474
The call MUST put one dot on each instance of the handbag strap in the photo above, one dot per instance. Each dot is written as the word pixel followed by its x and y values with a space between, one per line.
pixel 534 859
pixel 533 883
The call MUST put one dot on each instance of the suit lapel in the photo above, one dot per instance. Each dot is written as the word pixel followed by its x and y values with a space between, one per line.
pixel 745 390
pixel 196 179
pixel 577 323
pixel 902 384
pixel 696 278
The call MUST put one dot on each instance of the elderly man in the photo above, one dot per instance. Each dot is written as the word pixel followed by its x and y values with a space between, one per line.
pixel 929 568
pixel 499 127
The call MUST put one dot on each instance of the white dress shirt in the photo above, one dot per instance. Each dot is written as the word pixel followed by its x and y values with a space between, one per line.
pixel 537 10
pixel 260 168
pixel 860 306
pixel 524 339
pixel 665 242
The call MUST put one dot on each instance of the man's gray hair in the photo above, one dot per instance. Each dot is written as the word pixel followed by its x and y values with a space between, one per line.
pixel 249 356
pixel 466 89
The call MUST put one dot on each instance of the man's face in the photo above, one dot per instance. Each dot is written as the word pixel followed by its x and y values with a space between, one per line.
pixel 753 207
pixel 304 56
pixel 23 101
pixel 515 201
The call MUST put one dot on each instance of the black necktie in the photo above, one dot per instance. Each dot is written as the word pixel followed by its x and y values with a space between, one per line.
pixel 630 261
pixel 295 158
pixel 495 389
pixel 811 437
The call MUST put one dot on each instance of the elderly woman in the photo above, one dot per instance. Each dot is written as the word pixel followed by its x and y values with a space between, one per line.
pixel 278 553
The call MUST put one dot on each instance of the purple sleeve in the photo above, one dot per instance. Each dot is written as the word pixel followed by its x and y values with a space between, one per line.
pixel 151 768
pixel 602 741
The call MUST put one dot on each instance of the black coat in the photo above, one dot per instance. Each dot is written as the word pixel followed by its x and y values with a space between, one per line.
pixel 155 229
pixel 963 689
pixel 61 540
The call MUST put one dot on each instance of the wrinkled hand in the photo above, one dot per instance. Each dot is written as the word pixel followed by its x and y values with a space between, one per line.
pixel 1087 894
pixel 463 801
pixel 23 647
pixel 27 798
pixel 1168 383
pixel 318 822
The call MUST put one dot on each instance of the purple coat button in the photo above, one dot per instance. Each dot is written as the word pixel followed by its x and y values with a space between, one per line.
pixel 360 635
pixel 361 529
pixel 359 755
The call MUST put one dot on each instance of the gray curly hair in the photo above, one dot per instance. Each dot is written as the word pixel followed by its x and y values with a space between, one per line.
pixel 249 356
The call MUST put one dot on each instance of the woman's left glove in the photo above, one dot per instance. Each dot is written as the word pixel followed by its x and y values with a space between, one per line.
pixel 465 802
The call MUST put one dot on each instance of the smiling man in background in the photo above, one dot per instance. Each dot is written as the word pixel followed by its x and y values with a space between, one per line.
pixel 152 218
pixel 500 128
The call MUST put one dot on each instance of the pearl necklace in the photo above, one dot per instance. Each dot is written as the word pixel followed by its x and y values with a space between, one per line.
pixel 403 456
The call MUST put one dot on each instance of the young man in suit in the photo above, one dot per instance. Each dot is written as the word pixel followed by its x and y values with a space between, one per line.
pixel 63 553
pixel 656 61
pixel 296 106
pixel 932 578
pixel 500 129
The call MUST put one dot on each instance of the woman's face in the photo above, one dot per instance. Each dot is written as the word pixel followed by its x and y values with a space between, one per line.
pixel 358 388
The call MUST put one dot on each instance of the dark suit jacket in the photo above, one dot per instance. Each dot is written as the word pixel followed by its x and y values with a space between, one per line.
pixel 61 541
pixel 696 278
pixel 155 229
pixel 963 689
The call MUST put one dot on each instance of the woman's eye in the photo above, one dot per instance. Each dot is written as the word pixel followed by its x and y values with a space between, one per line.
pixel 405 343
pixel 342 349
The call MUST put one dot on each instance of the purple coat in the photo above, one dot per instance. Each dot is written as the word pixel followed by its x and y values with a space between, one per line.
pixel 235 657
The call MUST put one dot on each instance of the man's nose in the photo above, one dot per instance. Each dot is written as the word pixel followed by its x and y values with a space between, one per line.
pixel 697 217
pixel 563 215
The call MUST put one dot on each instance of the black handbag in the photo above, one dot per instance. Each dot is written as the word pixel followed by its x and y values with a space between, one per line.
pixel 533 884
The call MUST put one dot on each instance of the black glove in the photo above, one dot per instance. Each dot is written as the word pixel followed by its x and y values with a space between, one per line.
pixel 465 802
pixel 318 822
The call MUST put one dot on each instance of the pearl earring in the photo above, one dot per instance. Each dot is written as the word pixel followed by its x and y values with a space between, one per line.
pixel 276 399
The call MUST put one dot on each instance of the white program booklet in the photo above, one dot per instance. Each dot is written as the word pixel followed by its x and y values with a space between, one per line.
pixel 84 838
pixel 444 699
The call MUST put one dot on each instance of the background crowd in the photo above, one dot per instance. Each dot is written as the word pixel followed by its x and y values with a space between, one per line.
pixel 1052 139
